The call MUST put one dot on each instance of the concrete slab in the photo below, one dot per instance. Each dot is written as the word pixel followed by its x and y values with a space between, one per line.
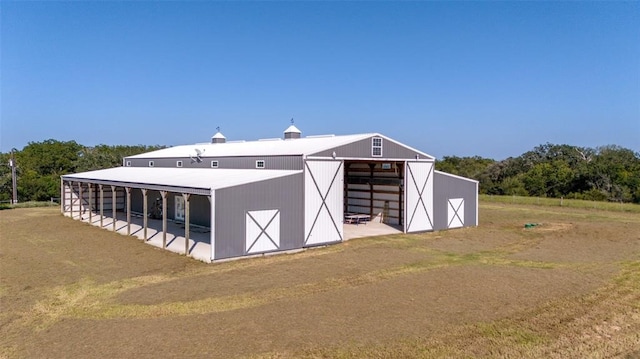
pixel 199 237
pixel 369 229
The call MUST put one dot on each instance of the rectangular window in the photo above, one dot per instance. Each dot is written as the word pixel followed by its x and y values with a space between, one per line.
pixel 376 147
pixel 150 163
pixel 214 164
pixel 178 163
pixel 260 164
pixel 128 163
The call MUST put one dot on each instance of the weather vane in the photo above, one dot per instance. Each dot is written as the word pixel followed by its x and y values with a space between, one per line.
pixel 292 120
pixel 218 128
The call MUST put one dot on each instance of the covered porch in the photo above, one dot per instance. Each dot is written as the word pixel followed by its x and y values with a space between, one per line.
pixel 170 208
pixel 107 203
pixel 198 246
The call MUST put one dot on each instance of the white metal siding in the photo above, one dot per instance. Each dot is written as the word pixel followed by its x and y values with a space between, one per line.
pixel 419 196
pixel 323 185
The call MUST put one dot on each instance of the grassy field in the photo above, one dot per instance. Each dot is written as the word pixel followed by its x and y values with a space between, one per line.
pixel 568 288
pixel 562 202
pixel 30 204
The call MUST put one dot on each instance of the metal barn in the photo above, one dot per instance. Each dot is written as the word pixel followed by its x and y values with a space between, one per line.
pixel 222 200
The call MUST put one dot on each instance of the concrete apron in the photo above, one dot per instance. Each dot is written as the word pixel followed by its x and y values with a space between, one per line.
pixel 199 246
pixel 369 229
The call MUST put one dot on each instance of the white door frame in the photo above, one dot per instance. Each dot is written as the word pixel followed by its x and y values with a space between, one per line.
pixel 324 197
pixel 418 196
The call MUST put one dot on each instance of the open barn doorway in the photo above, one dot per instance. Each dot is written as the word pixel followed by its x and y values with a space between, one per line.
pixel 373 198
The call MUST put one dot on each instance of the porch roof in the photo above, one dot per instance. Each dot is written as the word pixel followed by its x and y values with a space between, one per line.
pixel 198 181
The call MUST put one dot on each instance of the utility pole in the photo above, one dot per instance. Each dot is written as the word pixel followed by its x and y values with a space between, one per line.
pixel 12 164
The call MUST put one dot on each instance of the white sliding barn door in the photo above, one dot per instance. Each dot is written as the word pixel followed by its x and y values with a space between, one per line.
pixel 419 197
pixel 323 202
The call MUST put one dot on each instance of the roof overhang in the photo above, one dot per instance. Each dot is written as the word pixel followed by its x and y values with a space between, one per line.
pixel 199 181
pixel 456 176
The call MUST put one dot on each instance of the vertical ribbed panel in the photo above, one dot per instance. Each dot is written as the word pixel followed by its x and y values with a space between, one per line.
pixel 232 204
pixel 240 162
pixel 323 184
pixel 449 188
pixel 419 196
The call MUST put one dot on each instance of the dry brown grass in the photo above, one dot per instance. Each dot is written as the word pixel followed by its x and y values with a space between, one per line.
pixel 567 288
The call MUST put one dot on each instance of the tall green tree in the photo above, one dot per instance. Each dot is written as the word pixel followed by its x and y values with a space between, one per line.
pixel 49 157
pixel 103 156
pixel 6 186
pixel 615 172
pixel 40 165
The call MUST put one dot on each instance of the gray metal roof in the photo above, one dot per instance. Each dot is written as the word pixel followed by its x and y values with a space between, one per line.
pixel 274 147
pixel 184 180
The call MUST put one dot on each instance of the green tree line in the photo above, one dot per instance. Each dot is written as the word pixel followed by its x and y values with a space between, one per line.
pixel 39 166
pixel 608 173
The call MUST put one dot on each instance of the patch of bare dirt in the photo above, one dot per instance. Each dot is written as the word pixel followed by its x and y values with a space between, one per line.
pixel 551 227
pixel 585 242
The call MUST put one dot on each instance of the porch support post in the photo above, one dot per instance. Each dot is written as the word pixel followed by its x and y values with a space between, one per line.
pixel 71 198
pixel 145 210
pixel 113 205
pixel 100 186
pixel 186 223
pixel 128 189
pixel 80 211
pixel 90 202
pixel 164 218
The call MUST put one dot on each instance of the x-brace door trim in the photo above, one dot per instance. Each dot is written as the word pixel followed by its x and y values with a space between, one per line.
pixel 324 201
pixel 420 199
pixel 263 230
pixel 455 213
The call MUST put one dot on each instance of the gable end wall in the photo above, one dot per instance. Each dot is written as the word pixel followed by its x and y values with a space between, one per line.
pixel 362 149
pixel 448 187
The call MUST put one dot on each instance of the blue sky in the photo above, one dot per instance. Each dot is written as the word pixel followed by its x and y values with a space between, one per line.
pixel 492 79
